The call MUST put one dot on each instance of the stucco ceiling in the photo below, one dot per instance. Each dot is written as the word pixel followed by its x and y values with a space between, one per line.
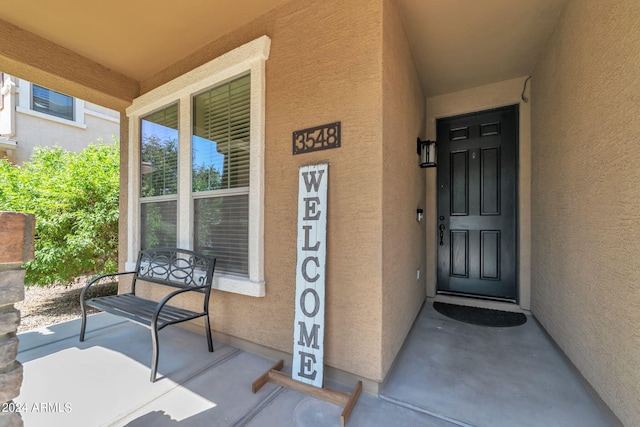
pixel 457 44
pixel 164 30
pixel 460 44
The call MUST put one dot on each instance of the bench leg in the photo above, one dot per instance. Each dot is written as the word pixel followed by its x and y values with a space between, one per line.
pixel 154 360
pixel 84 320
pixel 207 328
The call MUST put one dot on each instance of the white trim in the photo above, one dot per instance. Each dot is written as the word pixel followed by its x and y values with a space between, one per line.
pixel 163 198
pixel 238 285
pixel 78 111
pixel 216 71
pixel 248 58
pixel 49 117
pixel 238 191
pixel 256 168
pixel 185 208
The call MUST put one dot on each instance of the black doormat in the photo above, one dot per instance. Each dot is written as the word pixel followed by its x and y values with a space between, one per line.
pixel 480 316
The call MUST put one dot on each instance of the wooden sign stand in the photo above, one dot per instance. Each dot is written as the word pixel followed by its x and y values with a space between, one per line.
pixel 337 397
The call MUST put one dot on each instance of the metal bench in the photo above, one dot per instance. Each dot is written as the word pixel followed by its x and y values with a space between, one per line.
pixel 180 268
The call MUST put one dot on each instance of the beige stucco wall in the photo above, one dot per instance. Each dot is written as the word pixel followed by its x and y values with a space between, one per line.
pixel 586 196
pixel 500 94
pixel 34 131
pixel 324 66
pixel 91 107
pixel 403 188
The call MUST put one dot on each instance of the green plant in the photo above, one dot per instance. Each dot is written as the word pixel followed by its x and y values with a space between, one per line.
pixel 74 197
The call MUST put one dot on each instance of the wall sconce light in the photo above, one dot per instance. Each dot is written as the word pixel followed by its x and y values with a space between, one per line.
pixel 419 214
pixel 428 151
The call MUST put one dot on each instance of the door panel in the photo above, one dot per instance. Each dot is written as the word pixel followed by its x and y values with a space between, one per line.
pixel 490 254
pixel 460 183
pixel 477 199
pixel 459 253
pixel 490 181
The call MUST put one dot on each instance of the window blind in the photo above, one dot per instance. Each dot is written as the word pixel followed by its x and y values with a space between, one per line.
pixel 222 229
pixel 220 154
pixel 50 102
pixel 221 129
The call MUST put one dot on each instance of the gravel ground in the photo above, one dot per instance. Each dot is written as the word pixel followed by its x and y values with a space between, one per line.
pixel 46 305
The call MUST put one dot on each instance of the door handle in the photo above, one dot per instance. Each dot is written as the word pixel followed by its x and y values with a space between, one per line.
pixel 442 227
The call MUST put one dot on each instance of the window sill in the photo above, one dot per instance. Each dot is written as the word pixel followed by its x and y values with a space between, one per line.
pixel 8 144
pixel 50 117
pixel 238 285
pixel 228 283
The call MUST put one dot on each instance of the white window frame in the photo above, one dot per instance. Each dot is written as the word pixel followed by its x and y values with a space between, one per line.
pixel 25 99
pixel 247 59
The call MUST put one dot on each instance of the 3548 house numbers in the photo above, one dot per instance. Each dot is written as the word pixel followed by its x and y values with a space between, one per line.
pixel 317 138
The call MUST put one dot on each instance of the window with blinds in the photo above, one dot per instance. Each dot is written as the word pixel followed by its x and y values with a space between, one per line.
pixel 220 174
pixel 159 178
pixel 51 102
pixel 199 179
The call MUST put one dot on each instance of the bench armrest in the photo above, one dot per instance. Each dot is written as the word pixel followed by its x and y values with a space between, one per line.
pixel 97 279
pixel 165 300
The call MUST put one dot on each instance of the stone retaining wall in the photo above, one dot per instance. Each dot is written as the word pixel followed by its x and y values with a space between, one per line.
pixel 16 247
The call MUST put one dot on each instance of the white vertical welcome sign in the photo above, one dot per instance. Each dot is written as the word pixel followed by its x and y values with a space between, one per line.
pixel 308 335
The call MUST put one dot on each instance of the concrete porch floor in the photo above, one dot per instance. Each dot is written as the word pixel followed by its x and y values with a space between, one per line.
pixel 448 374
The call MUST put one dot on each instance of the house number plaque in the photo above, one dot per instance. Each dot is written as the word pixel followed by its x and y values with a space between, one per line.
pixel 317 138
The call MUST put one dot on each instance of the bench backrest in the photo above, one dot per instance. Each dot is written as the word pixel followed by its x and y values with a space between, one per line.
pixel 180 268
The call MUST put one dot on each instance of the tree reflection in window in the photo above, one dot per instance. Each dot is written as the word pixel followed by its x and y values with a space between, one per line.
pixel 159 153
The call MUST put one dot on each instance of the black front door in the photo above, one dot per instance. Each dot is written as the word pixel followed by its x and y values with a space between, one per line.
pixel 477 199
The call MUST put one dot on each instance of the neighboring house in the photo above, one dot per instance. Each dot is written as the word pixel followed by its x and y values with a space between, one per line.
pixel 390 71
pixel 32 115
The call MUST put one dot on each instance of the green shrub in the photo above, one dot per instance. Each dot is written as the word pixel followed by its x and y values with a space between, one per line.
pixel 74 197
